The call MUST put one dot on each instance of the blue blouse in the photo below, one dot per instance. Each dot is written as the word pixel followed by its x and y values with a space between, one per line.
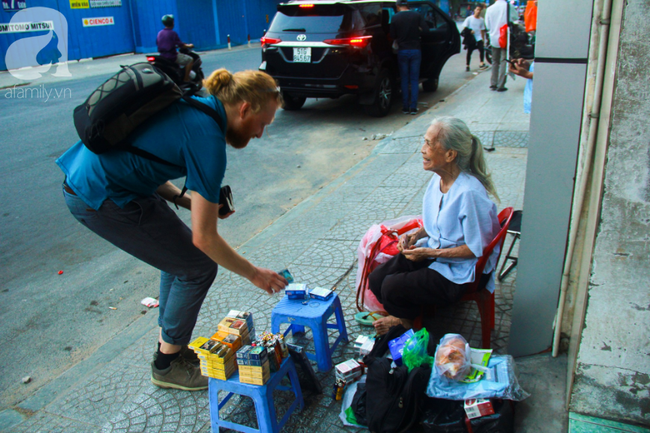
pixel 464 215
pixel 179 134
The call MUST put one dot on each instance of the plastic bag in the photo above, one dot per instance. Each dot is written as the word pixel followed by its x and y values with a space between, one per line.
pixel 346 404
pixel 415 350
pixel 377 246
pixel 453 357
pixel 499 381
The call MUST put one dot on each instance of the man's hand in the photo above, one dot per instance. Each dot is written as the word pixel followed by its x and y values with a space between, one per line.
pixel 223 217
pixel 269 281
pixel 521 67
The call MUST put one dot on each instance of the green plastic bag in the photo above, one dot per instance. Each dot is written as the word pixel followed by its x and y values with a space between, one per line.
pixel 415 350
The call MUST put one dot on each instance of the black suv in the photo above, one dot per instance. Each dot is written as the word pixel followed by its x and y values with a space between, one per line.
pixel 325 49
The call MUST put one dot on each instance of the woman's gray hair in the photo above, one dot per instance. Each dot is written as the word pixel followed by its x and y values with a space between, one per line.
pixel 453 134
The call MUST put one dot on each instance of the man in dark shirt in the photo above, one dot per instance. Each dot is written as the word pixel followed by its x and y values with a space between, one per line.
pixel 406 28
pixel 167 42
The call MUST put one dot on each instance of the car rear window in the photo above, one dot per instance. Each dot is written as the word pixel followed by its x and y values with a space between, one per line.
pixel 334 18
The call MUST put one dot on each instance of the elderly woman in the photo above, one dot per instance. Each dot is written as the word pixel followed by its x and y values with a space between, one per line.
pixel 437 262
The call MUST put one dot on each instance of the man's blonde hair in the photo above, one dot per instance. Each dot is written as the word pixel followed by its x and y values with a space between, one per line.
pixel 255 87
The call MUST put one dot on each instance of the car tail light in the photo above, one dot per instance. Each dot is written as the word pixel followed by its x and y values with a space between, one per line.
pixel 151 59
pixel 307 6
pixel 264 40
pixel 356 42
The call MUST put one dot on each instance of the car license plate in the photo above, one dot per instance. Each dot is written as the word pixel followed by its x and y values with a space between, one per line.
pixel 302 55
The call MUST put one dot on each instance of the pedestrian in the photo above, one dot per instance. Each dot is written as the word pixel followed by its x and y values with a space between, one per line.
pixel 525 69
pixel 168 40
pixel 406 28
pixel 476 28
pixel 124 198
pixel 497 16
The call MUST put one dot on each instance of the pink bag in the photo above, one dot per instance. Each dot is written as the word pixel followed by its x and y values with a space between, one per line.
pixel 377 246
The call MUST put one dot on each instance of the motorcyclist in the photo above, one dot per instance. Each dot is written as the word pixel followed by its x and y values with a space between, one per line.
pixel 167 42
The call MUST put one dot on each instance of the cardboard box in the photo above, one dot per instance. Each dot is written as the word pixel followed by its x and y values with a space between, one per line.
pixel 476 408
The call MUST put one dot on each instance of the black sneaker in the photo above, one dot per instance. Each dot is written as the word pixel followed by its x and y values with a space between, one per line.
pixel 502 89
pixel 181 374
pixel 406 110
pixel 493 87
pixel 414 111
pixel 467 68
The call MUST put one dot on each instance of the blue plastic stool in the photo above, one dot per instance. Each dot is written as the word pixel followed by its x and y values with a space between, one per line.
pixel 262 396
pixel 313 314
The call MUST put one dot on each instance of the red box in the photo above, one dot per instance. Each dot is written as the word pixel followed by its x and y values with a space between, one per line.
pixel 476 408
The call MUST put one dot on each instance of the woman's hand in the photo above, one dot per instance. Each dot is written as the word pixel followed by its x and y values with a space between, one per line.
pixel 269 281
pixel 419 254
pixel 406 241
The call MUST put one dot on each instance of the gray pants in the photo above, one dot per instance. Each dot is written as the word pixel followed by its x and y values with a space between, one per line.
pixel 499 67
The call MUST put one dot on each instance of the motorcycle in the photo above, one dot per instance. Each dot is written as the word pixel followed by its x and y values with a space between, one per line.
pixel 521 45
pixel 177 74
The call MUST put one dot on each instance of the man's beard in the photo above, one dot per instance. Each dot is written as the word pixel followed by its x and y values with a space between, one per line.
pixel 237 140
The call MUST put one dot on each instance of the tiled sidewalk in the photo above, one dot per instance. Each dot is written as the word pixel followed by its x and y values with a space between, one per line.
pixel 317 241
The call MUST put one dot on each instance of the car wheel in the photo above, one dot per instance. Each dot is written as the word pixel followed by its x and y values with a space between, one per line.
pixel 292 102
pixel 430 85
pixel 383 95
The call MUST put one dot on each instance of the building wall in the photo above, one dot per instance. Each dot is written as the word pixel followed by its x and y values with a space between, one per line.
pixel 612 377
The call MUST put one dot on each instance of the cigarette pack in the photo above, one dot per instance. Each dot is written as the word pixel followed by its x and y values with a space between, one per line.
pixel 476 408
pixel 196 344
pixel 287 275
pixel 320 293
pixel 297 291
pixel 349 370
pixel 231 340
pixel 396 346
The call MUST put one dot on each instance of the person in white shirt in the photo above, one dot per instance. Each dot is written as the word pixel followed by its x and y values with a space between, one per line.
pixel 496 17
pixel 476 24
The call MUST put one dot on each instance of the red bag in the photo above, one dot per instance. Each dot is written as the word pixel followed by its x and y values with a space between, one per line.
pixel 503 36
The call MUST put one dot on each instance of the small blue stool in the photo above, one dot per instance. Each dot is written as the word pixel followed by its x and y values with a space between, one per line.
pixel 313 314
pixel 262 396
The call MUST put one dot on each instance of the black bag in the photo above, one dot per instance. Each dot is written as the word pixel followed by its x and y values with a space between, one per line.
pixel 393 395
pixel 448 416
pixel 359 404
pixel 126 100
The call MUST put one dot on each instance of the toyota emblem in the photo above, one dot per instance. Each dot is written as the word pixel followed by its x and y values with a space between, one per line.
pixel 302 37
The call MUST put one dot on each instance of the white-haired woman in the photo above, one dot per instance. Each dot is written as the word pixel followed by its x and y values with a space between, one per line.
pixel 436 263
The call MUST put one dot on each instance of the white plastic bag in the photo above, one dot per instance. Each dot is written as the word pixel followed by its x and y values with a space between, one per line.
pixel 347 401
pixel 453 357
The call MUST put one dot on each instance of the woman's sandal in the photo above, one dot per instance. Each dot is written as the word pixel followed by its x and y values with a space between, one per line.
pixel 367 319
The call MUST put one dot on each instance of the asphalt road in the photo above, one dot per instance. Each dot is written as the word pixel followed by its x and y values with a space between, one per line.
pixel 49 322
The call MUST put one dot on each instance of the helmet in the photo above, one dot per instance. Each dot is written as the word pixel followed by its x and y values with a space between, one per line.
pixel 168 20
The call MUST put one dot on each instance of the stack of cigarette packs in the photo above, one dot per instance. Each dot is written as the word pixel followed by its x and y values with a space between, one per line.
pixel 253 363
pixel 236 327
pixel 216 359
pixel 349 371
pixel 246 317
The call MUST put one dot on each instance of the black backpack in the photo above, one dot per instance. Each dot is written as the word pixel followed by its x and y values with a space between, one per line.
pixel 122 103
pixel 392 395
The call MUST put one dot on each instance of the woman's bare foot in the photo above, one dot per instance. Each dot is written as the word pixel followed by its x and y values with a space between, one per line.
pixel 385 323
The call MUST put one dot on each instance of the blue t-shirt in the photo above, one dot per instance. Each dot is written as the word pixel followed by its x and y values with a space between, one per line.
pixel 464 215
pixel 180 134
pixel 528 91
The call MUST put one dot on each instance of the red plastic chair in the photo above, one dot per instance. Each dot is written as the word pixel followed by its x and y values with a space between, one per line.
pixel 484 299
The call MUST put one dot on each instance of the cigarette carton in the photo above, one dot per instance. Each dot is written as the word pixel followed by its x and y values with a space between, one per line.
pixel 320 294
pixel 476 408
